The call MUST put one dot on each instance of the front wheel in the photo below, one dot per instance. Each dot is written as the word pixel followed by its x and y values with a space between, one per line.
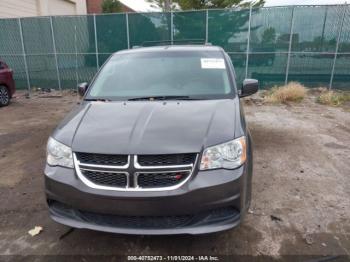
pixel 4 96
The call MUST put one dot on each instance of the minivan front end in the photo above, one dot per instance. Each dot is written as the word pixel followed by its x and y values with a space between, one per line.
pixel 145 194
pixel 160 150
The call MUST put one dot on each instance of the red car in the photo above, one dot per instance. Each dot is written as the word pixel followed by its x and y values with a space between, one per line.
pixel 7 84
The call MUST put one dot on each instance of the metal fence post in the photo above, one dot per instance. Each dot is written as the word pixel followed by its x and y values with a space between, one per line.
pixel 290 46
pixel 96 45
pixel 172 27
pixel 24 55
pixel 127 30
pixel 206 25
pixel 248 41
pixel 55 54
pixel 337 47
pixel 76 55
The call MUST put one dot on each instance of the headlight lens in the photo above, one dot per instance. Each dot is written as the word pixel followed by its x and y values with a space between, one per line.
pixel 59 154
pixel 228 155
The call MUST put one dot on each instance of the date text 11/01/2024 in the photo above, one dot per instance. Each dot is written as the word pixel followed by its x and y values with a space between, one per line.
pixel 173 258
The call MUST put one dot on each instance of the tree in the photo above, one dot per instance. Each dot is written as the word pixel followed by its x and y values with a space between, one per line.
pixel 111 6
pixel 269 36
pixel 165 5
pixel 205 4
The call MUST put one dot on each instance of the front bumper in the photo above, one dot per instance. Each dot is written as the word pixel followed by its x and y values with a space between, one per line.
pixel 210 201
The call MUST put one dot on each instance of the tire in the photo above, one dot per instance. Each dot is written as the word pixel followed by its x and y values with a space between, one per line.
pixel 4 96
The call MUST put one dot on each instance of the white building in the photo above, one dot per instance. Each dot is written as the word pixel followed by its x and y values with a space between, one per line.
pixel 25 8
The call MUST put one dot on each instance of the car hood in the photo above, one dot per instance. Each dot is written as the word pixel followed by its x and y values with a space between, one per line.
pixel 148 127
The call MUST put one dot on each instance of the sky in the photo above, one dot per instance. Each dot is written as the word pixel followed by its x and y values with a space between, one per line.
pixel 145 6
pixel 140 5
pixel 302 2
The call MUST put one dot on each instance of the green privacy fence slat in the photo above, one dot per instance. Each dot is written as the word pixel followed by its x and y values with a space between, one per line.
pixel 342 72
pixel 316 28
pixel 270 29
pixel 344 45
pixel 228 29
pixel 37 35
pixel 68 69
pixel 149 27
pixel 311 69
pixel 42 71
pixel 189 25
pixel 81 44
pixel 75 69
pixel 111 33
pixel 269 69
pixel 74 34
pixel 9 33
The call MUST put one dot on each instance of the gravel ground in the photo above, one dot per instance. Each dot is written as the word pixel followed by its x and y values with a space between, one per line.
pixel 301 188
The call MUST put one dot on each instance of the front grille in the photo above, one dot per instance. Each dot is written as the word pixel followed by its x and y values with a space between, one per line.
pixel 166 160
pixel 106 178
pixel 134 172
pixel 163 179
pixel 102 159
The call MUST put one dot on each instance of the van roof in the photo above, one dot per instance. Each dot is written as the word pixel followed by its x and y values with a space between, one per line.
pixel 172 48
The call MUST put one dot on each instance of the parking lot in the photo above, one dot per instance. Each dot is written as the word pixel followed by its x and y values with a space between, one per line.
pixel 301 187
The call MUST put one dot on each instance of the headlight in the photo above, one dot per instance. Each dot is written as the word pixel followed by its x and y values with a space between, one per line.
pixel 228 155
pixel 59 154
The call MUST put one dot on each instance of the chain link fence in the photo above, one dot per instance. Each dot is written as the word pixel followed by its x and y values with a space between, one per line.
pixel 308 44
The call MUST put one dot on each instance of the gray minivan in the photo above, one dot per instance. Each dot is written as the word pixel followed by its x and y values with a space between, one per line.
pixel 158 145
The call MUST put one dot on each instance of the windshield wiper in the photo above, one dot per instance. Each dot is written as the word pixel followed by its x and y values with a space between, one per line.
pixel 161 98
pixel 97 99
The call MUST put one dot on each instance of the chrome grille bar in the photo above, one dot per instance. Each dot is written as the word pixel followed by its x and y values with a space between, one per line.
pixel 138 166
pixel 132 170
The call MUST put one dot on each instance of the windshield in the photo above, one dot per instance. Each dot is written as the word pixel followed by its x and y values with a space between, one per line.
pixel 168 74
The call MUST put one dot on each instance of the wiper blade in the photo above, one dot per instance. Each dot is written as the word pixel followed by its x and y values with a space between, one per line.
pixel 161 98
pixel 97 99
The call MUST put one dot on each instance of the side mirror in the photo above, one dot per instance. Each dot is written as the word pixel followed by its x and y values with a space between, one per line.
pixel 249 87
pixel 82 87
